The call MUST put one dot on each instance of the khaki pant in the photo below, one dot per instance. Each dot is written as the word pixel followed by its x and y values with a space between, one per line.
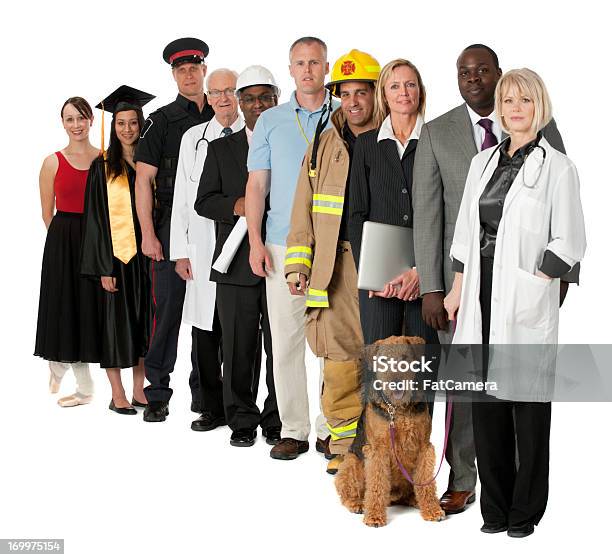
pixel 334 333
pixel 287 320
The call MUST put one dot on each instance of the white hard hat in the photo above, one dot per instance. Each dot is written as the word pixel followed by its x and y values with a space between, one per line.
pixel 256 76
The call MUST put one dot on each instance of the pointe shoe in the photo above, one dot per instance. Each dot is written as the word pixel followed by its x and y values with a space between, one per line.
pixel 54 383
pixel 74 400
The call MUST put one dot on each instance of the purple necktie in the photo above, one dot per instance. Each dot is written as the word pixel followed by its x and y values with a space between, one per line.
pixel 490 139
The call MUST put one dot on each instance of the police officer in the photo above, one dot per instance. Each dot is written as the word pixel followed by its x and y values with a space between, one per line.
pixel 156 162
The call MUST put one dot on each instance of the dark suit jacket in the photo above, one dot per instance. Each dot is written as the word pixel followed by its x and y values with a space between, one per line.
pixel 222 183
pixel 381 186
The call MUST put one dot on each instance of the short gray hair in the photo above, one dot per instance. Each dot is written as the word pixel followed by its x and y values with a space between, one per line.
pixel 220 71
pixel 308 41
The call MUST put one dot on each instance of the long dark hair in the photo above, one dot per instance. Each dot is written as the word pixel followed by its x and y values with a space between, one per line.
pixel 114 154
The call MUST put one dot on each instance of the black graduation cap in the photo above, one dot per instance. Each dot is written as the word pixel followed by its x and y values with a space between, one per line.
pixel 184 50
pixel 124 98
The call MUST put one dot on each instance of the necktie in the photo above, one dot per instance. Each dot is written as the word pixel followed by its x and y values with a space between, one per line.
pixel 490 139
pixel 227 131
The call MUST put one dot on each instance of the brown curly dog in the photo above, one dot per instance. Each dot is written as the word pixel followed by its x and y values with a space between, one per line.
pixel 369 478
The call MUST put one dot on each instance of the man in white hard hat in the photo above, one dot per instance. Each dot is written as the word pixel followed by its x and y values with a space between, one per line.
pixel 241 294
pixel 192 242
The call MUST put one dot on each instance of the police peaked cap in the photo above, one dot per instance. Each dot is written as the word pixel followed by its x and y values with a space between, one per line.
pixel 184 50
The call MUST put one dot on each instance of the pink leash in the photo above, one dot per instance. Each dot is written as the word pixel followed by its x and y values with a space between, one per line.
pixel 391 411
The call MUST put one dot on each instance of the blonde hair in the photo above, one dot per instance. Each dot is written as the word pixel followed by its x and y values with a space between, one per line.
pixel 530 85
pixel 381 109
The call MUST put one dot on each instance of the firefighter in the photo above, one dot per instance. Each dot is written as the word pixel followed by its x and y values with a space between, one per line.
pixel 319 261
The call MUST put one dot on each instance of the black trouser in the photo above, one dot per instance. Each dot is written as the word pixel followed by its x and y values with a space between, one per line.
pixel 242 309
pixel 384 317
pixel 509 493
pixel 205 378
pixel 168 291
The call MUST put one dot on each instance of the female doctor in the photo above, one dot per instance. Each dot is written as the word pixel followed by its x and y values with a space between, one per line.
pixel 520 227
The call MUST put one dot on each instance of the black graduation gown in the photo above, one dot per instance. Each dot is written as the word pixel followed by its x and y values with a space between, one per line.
pixel 125 313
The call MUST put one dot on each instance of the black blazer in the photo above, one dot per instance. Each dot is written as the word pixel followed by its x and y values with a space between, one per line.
pixel 381 186
pixel 222 183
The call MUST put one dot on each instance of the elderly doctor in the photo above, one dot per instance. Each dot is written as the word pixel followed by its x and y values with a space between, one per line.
pixel 520 227
pixel 192 243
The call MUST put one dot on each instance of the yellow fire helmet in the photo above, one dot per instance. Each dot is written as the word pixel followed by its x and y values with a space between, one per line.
pixel 355 66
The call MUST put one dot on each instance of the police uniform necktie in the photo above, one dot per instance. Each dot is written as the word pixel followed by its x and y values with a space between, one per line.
pixel 227 131
pixel 490 139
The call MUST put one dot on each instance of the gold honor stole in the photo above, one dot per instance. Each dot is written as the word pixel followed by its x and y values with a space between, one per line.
pixel 120 217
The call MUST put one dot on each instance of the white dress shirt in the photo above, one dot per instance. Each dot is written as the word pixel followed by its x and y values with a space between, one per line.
pixel 191 235
pixel 386 133
pixel 479 132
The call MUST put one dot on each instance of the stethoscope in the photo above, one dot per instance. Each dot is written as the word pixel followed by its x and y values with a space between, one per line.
pixel 531 149
pixel 195 157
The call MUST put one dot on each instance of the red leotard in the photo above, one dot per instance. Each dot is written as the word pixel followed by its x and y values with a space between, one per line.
pixel 69 186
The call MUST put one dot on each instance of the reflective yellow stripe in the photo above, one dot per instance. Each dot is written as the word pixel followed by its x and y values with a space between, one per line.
pixel 299 260
pixel 299 249
pixel 328 197
pixel 343 432
pixel 317 298
pixel 299 254
pixel 325 210
pixel 327 204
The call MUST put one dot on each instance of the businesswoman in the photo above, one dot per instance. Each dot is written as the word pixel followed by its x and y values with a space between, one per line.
pixel 519 228
pixel 66 333
pixel 111 253
pixel 380 191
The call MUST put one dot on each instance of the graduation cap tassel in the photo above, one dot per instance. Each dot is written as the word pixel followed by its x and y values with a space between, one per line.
pixel 102 151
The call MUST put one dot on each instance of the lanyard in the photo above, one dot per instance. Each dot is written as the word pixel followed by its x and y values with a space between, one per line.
pixel 302 129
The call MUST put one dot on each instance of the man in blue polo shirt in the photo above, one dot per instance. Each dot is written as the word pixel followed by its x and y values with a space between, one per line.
pixel 280 139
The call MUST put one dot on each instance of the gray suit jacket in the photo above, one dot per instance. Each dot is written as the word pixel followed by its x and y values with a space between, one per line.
pixel 444 153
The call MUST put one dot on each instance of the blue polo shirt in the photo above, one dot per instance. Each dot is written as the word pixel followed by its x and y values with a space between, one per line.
pixel 279 145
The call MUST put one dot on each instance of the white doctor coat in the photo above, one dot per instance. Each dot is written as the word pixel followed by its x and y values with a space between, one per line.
pixel 542 211
pixel 191 235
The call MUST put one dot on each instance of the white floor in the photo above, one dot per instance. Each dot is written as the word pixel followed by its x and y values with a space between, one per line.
pixel 115 487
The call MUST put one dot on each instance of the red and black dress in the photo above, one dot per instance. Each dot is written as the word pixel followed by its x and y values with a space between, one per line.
pixel 68 328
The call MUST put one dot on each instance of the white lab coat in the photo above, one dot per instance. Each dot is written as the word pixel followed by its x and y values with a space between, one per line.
pixel 524 307
pixel 191 235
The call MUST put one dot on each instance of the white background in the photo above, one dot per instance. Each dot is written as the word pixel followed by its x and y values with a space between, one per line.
pixel 116 487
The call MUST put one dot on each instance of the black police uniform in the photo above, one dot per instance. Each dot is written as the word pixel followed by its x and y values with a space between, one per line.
pixel 159 145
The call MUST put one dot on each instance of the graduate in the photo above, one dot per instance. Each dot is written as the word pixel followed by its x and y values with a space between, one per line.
pixel 111 249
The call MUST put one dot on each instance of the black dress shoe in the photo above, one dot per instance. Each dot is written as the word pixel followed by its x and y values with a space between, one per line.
pixel 156 412
pixel 243 437
pixel 207 421
pixel 272 435
pixel 128 411
pixel 138 403
pixel 520 531
pixel 498 527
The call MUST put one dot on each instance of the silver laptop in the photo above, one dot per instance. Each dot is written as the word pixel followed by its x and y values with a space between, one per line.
pixel 386 252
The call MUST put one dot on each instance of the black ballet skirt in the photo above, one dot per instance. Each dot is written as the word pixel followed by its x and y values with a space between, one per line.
pixel 68 328
pixel 125 314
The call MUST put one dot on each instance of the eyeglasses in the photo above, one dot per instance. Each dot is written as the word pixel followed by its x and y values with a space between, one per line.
pixel 265 98
pixel 219 92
